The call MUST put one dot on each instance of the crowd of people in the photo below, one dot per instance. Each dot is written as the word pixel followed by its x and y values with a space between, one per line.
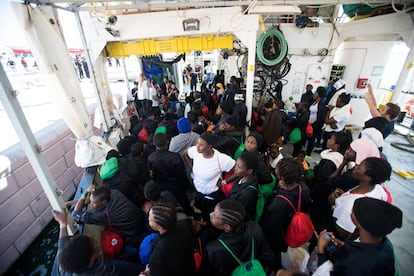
pixel 203 197
pixel 81 67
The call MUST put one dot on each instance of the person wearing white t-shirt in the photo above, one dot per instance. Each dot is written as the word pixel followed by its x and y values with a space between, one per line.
pixel 207 165
pixel 142 94
pixel 209 73
pixel 273 156
pixel 370 173
pixel 337 89
pixel 337 117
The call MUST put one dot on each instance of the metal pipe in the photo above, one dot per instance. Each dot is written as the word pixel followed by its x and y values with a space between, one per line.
pixel 102 103
pixel 126 78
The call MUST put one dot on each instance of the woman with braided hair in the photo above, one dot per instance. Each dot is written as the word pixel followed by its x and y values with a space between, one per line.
pixel 229 216
pixel 172 251
pixel 278 214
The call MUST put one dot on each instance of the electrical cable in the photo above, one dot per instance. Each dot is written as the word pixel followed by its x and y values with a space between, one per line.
pixel 284 69
pixel 400 11
pixel 279 44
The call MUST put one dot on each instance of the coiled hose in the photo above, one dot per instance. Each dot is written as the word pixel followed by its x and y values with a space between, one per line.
pixel 403 146
pixel 279 44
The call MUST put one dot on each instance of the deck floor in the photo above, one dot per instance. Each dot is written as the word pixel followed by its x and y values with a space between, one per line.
pixel 402 191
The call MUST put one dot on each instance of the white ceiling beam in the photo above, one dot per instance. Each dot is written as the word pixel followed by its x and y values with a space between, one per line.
pixel 101 5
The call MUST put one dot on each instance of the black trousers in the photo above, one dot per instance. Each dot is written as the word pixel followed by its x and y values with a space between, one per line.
pixel 180 195
pixel 317 135
pixel 207 203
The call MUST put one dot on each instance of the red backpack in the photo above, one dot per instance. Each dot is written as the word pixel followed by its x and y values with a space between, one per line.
pixel 300 229
pixel 111 242
pixel 143 134
pixel 309 130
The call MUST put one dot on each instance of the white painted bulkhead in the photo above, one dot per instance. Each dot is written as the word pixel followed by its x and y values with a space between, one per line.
pixel 359 45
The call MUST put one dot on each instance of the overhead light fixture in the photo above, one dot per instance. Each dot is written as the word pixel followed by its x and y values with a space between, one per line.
pixel 191 24
pixel 275 9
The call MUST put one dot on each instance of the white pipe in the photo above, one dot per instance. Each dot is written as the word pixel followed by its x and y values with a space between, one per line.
pixel 396 95
pixel 251 61
pixel 126 79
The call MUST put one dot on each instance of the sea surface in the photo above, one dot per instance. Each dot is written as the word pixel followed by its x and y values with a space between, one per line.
pixel 38 259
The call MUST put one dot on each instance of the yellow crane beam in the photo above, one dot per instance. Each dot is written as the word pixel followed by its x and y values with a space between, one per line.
pixel 179 45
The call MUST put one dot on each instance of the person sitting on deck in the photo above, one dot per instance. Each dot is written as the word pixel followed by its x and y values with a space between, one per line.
pixel 81 255
pixel 153 195
pixel 358 151
pixel 126 219
pixel 223 110
pixel 240 109
pixel 140 162
pixel 125 179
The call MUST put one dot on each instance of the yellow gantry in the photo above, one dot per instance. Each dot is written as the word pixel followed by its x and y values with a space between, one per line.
pixel 178 45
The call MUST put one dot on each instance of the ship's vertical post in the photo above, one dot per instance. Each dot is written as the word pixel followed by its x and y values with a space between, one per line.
pixel 31 147
pixel 126 78
pixel 102 105
pixel 396 96
pixel 251 61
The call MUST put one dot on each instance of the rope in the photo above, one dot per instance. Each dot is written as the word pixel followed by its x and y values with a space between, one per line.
pixel 277 42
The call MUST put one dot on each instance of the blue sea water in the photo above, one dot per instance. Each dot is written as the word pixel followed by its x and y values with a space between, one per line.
pixel 38 259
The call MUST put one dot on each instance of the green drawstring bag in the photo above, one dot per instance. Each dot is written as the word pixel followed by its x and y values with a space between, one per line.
pixel 239 151
pixel 308 175
pixel 252 267
pixel 109 168
pixel 295 136
pixel 161 129
pixel 267 189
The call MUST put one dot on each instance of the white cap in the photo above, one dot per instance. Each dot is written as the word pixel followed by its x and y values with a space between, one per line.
pixel 339 83
pixel 374 135
pixel 238 97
